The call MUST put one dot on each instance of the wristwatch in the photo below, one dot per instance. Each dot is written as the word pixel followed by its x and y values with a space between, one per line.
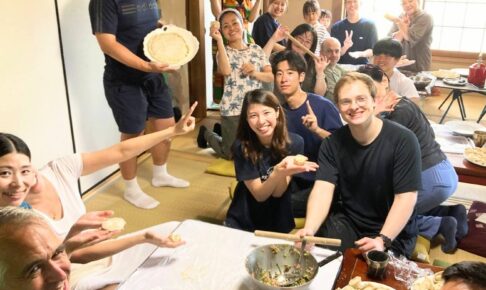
pixel 386 240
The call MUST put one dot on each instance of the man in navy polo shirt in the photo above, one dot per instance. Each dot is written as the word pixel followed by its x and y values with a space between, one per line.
pixel 134 86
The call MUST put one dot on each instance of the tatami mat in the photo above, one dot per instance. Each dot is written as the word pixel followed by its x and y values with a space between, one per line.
pixel 206 198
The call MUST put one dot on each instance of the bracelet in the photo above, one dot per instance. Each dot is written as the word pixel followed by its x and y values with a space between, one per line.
pixel 386 240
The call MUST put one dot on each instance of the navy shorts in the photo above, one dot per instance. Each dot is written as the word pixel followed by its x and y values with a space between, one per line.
pixel 133 104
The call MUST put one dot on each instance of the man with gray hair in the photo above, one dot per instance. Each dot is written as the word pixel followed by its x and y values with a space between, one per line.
pixel 32 256
pixel 331 51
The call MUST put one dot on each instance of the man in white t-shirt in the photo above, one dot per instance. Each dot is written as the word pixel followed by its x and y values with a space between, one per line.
pixel 386 54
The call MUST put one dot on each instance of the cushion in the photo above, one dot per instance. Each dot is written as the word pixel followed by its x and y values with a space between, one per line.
pixel 474 240
pixel 421 251
pixel 222 167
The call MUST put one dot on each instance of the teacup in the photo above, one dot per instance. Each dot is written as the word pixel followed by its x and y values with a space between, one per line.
pixel 377 262
pixel 479 138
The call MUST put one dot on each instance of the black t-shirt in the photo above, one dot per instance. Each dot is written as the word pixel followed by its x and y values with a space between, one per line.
pixel 408 114
pixel 273 214
pixel 130 21
pixel 368 177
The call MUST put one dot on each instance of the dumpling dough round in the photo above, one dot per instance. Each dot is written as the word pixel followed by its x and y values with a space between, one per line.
pixel 175 238
pixel 300 159
pixel 114 224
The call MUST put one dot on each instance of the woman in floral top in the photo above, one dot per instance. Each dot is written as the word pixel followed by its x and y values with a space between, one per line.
pixel 244 67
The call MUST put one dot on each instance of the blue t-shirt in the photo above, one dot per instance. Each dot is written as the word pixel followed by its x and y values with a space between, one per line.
pixel 263 28
pixel 364 37
pixel 130 21
pixel 273 214
pixel 328 118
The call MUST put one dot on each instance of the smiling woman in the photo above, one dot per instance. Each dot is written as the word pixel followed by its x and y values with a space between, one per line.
pixel 16 173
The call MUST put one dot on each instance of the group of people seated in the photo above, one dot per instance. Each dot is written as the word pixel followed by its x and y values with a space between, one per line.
pixel 374 176
pixel 367 183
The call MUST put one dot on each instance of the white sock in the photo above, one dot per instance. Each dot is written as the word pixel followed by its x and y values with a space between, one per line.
pixel 162 178
pixel 135 195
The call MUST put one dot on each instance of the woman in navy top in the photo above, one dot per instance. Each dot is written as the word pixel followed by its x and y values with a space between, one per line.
pixel 264 164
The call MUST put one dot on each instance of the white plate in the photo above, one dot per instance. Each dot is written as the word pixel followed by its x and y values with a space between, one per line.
pixel 476 156
pixel 455 82
pixel 463 128
pixel 170 44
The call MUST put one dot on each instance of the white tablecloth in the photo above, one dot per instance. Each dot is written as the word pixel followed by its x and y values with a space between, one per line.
pixel 120 266
pixel 213 259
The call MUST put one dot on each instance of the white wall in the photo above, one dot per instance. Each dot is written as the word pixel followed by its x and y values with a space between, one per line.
pixel 93 123
pixel 33 101
pixel 33 94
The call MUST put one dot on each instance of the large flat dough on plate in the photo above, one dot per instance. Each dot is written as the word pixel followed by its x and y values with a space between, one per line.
pixel 170 44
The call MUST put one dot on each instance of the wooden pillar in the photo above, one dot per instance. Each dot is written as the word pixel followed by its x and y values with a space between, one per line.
pixel 196 68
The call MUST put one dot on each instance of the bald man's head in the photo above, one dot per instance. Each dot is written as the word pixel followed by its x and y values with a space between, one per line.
pixel 331 48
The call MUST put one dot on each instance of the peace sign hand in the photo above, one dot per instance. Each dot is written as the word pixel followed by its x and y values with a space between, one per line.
pixel 348 41
pixel 310 120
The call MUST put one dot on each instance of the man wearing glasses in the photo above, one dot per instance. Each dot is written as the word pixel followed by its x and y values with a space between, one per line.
pixel 369 173
pixel 356 34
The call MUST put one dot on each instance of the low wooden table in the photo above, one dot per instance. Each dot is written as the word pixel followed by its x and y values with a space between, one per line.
pixel 467 171
pixel 355 265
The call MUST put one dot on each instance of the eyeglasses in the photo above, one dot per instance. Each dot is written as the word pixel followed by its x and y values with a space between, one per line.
pixel 374 71
pixel 360 101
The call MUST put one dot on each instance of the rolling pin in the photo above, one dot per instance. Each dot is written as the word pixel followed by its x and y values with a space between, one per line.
pixel 295 238
pixel 296 42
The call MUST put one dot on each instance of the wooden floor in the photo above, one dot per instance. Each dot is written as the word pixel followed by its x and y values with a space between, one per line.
pixel 207 198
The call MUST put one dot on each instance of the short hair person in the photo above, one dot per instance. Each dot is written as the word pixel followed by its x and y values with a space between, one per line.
pixel 309 115
pixel 386 54
pixel 414 30
pixel 331 52
pixel 356 34
pixel 369 171
pixel 32 256
pixel 312 11
pixel 465 275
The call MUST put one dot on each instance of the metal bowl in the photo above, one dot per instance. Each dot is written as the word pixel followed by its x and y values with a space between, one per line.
pixel 275 259
pixel 421 82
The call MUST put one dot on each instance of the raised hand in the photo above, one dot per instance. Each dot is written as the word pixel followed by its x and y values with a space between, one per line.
pixel 215 33
pixel 386 103
pixel 321 63
pixel 86 239
pixel 187 122
pixel 288 167
pixel 160 241
pixel 348 41
pixel 281 33
pixel 90 220
pixel 310 120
